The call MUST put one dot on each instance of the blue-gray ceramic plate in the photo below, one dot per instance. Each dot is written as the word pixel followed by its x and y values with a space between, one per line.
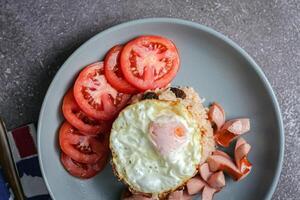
pixel 211 63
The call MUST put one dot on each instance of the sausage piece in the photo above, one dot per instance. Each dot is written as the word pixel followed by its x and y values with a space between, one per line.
pixel 221 153
pixel 230 130
pixel 186 196
pixel 239 142
pixel 246 173
pixel 216 115
pixel 217 162
pixel 238 126
pixel 217 180
pixel 180 195
pixel 242 149
pixel 205 171
pixel 241 152
pixel 195 185
pixel 208 193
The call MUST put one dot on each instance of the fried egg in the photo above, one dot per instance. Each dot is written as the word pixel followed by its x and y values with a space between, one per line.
pixel 155 146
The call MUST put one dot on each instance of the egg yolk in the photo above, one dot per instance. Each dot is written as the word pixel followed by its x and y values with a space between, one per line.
pixel 179 131
pixel 167 134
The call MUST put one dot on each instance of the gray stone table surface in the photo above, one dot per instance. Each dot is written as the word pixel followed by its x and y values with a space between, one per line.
pixel 37 36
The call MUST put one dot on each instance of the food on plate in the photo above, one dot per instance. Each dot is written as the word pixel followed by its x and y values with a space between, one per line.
pixel 217 180
pixel 113 72
pixel 208 193
pixel 151 138
pixel 217 162
pixel 195 185
pixel 77 118
pixel 216 114
pixel 215 183
pixel 180 194
pixel 186 196
pixel 204 171
pixel 163 141
pixel 241 151
pixel 149 62
pixel 95 96
pixel 231 130
pixel 221 153
pixel 168 133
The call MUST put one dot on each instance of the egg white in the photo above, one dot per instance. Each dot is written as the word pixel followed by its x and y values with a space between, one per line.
pixel 135 159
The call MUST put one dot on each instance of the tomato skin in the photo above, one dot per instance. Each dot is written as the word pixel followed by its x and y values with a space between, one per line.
pixel 149 62
pixel 81 148
pixel 77 118
pixel 81 170
pixel 95 96
pixel 113 72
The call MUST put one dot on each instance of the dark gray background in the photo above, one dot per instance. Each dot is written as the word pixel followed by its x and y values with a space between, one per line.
pixel 36 37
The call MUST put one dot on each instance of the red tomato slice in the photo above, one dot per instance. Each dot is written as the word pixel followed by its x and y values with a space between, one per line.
pixel 149 62
pixel 82 148
pixel 95 96
pixel 82 170
pixel 113 73
pixel 77 118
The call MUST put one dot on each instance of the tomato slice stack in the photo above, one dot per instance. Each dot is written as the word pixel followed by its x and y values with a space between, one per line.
pixel 102 90
pixel 89 108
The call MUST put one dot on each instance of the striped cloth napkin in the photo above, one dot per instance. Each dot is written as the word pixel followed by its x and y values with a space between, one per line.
pixel 22 142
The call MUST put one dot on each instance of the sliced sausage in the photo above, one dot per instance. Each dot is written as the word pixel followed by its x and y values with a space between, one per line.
pixel 195 185
pixel 216 115
pixel 187 196
pixel 208 193
pixel 238 126
pixel 246 172
pixel 217 180
pixel 246 167
pixel 230 130
pixel 241 152
pixel 224 137
pixel 242 149
pixel 221 153
pixel 217 162
pixel 239 142
pixel 205 171
pixel 176 195
pixel 180 195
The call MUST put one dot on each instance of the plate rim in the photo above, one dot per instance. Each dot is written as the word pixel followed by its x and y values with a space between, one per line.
pixel 198 26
